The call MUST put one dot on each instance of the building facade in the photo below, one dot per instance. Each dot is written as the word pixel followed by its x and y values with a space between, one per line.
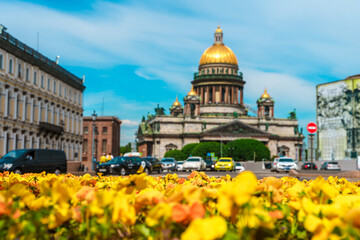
pixel 338 119
pixel 214 110
pixel 106 138
pixel 40 102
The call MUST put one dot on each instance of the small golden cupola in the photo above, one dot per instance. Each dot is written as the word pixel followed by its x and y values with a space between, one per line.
pixel 176 109
pixel 192 92
pixel 265 94
pixel 176 103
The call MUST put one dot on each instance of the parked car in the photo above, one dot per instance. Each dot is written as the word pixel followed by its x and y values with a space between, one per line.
pixel 34 160
pixel 168 164
pixel 273 165
pixel 309 166
pixel 330 166
pixel 155 163
pixel 210 165
pixel 194 163
pixel 239 167
pixel 226 164
pixel 124 165
pixel 286 164
pixel 179 166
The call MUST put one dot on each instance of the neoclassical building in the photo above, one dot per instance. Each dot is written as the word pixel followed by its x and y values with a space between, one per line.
pixel 214 110
pixel 40 102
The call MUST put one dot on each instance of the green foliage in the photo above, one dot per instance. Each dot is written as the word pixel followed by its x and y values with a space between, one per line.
pixel 177 154
pixel 125 149
pixel 246 149
pixel 203 148
pixel 188 148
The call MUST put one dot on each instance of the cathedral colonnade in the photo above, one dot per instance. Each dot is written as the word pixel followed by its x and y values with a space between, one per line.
pixel 220 94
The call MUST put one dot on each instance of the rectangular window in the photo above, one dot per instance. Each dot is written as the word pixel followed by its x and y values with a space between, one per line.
pixel 19 70
pixel 1 61
pixel 48 84
pixel 60 90
pixel 54 86
pixel 79 98
pixel 11 66
pixel 104 130
pixel 86 130
pixel 85 145
pixel 74 96
pixel 42 81
pixel 70 94
pixel 103 147
pixel 96 131
pixel 27 77
pixel 35 78
pixel 65 90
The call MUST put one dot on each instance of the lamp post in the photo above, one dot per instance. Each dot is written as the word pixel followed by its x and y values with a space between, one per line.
pixel 93 141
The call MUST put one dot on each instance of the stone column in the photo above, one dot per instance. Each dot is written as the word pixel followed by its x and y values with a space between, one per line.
pixel 32 110
pixel 15 104
pixel 6 112
pixel 24 108
pixel 213 94
pixel 207 95
pixel 242 95
pixel 237 95
pixel 227 94
pixel 5 142
pixel 202 95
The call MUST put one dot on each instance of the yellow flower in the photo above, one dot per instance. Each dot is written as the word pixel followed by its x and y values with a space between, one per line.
pixel 205 229
pixel 161 212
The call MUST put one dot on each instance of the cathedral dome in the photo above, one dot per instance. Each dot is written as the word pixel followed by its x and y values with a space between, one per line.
pixel 218 52
pixel 265 94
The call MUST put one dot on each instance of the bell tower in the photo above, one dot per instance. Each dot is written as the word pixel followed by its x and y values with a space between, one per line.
pixel 192 104
pixel 265 106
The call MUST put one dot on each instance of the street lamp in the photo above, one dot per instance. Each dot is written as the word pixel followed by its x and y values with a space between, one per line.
pixel 93 141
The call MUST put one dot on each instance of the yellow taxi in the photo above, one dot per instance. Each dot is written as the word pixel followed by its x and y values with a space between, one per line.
pixel 225 163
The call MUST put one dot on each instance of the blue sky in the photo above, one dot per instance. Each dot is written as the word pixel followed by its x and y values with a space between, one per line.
pixel 137 54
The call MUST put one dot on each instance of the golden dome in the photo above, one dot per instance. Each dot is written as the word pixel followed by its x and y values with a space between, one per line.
pixel 218 30
pixel 176 103
pixel 265 95
pixel 192 92
pixel 218 53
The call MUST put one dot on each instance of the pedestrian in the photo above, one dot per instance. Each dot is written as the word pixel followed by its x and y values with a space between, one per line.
pixel 103 158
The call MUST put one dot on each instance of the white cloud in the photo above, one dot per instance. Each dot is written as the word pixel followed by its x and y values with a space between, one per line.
pixel 130 123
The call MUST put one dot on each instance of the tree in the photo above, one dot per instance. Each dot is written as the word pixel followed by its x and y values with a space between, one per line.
pixel 125 149
pixel 247 149
pixel 188 148
pixel 203 148
pixel 177 154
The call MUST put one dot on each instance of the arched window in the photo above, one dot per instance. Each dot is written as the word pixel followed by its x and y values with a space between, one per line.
pixel 192 107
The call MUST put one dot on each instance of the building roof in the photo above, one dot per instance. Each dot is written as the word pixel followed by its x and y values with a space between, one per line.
pixel 102 118
pixel 26 53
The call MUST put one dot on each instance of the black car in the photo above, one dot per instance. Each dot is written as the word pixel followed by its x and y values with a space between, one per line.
pixel 210 165
pixel 309 166
pixel 155 163
pixel 34 160
pixel 124 165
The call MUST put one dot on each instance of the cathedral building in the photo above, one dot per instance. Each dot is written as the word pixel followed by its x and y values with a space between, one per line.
pixel 214 110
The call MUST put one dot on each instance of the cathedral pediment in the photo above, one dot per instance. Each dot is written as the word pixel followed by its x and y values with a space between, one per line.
pixel 236 127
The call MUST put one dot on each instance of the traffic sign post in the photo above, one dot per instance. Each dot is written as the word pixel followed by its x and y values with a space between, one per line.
pixel 312 129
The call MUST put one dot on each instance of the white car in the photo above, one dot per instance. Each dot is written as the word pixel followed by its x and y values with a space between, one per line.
pixel 194 163
pixel 273 165
pixel 179 166
pixel 286 164
pixel 239 167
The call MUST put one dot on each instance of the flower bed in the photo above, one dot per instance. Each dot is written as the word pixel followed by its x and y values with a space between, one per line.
pixel 46 206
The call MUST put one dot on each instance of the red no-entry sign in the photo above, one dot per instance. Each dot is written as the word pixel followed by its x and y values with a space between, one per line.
pixel 311 128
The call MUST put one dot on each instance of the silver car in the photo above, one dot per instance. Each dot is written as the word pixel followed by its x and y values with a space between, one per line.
pixel 194 163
